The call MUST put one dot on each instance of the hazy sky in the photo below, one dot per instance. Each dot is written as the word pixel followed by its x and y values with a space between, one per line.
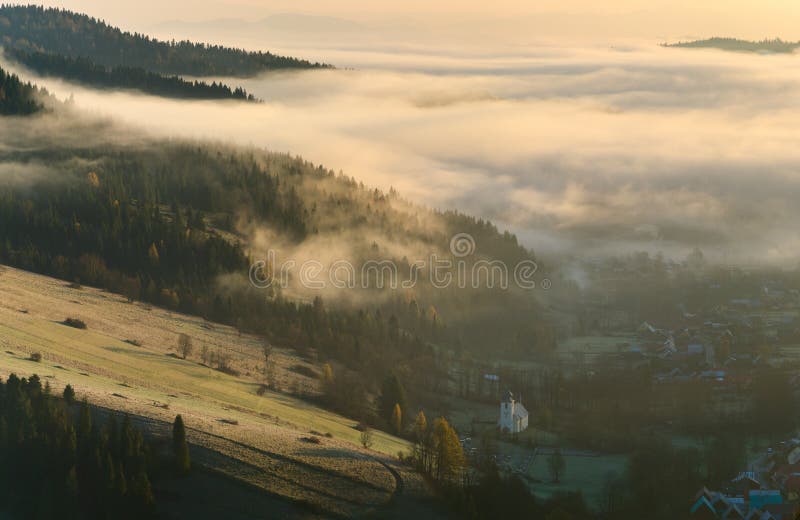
pixel 515 20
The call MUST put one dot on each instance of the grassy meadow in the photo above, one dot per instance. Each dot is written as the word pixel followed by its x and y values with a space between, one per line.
pixel 223 411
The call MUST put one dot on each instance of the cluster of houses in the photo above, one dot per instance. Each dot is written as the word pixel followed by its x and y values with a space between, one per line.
pixel 708 343
pixel 722 346
pixel 752 504
pixel 722 343
pixel 771 493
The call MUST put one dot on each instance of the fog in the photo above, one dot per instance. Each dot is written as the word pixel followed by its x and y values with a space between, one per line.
pixel 580 150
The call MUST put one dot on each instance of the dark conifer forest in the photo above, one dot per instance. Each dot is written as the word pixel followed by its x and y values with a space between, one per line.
pixel 55 463
pixel 84 71
pixel 38 29
pixel 17 97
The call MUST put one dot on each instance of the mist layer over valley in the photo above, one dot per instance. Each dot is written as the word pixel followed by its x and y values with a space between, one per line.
pixel 576 149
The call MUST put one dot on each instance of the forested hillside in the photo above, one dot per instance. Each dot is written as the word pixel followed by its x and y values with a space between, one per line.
pixel 179 224
pixel 84 71
pixel 155 223
pixel 38 29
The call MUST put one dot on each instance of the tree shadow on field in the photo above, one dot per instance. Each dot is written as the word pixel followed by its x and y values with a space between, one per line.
pixel 332 453
pixel 130 351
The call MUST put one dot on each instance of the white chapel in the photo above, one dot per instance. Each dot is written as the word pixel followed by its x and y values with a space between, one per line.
pixel 513 416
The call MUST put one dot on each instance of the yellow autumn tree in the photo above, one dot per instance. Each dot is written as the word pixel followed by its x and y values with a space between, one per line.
pixel 327 381
pixel 447 451
pixel 152 254
pixel 397 419
pixel 327 374
pixel 421 444
pixel 93 179
pixel 420 426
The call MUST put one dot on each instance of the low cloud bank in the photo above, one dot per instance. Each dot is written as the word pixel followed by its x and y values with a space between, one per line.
pixel 579 150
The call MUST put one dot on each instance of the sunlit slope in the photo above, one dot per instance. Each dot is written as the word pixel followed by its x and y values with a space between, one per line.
pixel 267 432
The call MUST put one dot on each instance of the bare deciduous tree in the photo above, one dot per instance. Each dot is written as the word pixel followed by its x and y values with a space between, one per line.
pixel 367 438
pixel 185 345
pixel 269 364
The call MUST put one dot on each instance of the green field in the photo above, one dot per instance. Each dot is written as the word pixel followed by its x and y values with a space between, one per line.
pixel 223 412
pixel 154 377
pixel 595 344
pixel 150 371
pixel 585 474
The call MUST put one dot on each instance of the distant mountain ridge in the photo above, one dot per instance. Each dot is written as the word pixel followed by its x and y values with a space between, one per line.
pixel 37 29
pixel 736 45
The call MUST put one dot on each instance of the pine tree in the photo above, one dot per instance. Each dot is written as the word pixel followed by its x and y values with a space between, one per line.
pixel 392 393
pixel 180 448
pixel 142 490
pixel 69 394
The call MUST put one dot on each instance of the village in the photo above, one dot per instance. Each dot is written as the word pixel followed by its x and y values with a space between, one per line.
pixel 704 364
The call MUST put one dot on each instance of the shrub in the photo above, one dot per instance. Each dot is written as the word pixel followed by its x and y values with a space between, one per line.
pixel 225 369
pixel 303 370
pixel 75 323
pixel 36 356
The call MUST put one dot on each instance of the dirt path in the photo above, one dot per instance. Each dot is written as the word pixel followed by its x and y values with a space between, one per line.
pixel 412 497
